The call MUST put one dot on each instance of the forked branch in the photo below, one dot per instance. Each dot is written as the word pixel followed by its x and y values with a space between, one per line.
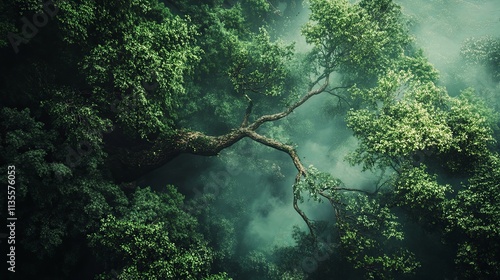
pixel 277 116
pixel 301 171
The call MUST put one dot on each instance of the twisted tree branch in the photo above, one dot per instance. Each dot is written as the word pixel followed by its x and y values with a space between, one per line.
pixel 273 117
pixel 301 170
pixel 165 149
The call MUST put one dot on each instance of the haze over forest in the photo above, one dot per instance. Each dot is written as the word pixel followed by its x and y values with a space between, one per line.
pixel 254 139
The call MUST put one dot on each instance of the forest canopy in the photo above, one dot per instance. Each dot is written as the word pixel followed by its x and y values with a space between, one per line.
pixel 98 95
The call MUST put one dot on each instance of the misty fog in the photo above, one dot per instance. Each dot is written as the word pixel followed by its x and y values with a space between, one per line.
pixel 440 28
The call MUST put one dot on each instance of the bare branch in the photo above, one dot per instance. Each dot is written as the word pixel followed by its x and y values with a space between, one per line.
pixel 301 171
pixel 290 150
pixel 303 215
pixel 340 97
pixel 352 190
pixel 277 116
pixel 166 148
pixel 315 82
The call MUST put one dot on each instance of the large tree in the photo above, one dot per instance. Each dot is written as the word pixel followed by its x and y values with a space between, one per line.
pixel 105 91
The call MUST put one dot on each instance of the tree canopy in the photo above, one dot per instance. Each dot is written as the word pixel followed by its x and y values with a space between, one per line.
pixel 103 92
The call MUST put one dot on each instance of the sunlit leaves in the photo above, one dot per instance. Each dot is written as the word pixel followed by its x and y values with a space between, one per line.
pixel 484 51
pixel 147 206
pixel 356 37
pixel 474 214
pixel 146 251
pixel 341 33
pixel 260 65
pixel 470 122
pixel 402 117
pixel 369 234
pixel 478 262
pixel 142 66
pixel 317 182
pixel 476 208
pixel 370 216
pixel 155 239
pixel 405 115
pixel 368 229
pixel 478 50
pixel 420 194
pixel 75 18
pixel 418 65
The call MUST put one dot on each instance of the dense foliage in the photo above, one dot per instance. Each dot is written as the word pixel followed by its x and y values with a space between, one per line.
pixel 102 92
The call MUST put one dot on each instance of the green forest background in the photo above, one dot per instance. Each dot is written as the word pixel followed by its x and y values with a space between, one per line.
pixel 252 139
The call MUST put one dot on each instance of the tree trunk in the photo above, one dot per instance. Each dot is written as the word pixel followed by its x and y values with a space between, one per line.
pixel 128 166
